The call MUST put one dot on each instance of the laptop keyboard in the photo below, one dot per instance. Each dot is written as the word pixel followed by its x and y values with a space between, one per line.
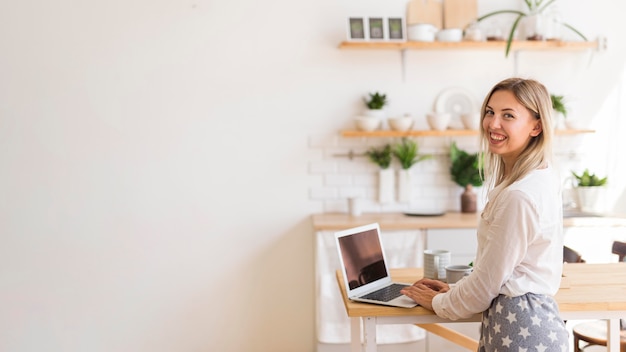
pixel 386 294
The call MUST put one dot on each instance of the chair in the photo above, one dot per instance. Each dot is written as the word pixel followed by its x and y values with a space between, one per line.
pixel 571 256
pixel 594 333
pixel 619 248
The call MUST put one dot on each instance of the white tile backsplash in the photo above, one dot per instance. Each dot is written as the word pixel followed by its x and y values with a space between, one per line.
pixel 343 177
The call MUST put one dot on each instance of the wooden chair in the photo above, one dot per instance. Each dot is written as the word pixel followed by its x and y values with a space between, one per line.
pixel 619 248
pixel 571 256
pixel 594 333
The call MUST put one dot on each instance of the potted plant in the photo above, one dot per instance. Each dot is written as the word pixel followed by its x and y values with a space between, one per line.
pixel 465 172
pixel 534 18
pixel 590 190
pixel 376 103
pixel 407 154
pixel 560 110
pixel 382 157
pixel 374 114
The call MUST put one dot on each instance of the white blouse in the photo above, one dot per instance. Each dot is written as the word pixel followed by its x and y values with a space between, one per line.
pixel 520 247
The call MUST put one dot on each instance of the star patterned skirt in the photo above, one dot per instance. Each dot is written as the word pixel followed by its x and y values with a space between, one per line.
pixel 528 323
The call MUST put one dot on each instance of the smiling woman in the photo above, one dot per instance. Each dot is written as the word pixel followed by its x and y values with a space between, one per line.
pixel 520 238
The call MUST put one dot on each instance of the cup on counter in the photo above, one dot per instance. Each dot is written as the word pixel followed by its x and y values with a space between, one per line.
pixel 354 206
pixel 454 273
pixel 435 263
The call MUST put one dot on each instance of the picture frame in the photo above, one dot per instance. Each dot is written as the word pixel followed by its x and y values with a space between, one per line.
pixel 376 28
pixel 357 29
pixel 396 29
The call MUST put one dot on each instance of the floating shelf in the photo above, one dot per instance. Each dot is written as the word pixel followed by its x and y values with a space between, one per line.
pixel 516 45
pixel 433 133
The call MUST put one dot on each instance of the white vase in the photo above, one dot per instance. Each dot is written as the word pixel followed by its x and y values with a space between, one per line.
pixel 386 185
pixel 404 186
pixel 592 199
pixel 559 120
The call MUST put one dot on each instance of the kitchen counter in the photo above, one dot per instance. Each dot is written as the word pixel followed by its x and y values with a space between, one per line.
pixel 449 220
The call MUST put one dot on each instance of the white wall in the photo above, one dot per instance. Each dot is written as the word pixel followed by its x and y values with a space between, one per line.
pixel 153 151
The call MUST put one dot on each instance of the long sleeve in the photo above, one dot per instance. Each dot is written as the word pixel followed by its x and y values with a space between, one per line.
pixel 519 241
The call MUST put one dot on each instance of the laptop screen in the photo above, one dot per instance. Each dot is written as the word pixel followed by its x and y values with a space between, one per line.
pixel 362 257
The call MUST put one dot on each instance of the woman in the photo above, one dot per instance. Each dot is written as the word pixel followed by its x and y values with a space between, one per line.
pixel 520 242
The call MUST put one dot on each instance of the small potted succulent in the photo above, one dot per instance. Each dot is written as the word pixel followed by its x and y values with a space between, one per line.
pixel 590 189
pixel 375 113
pixel 382 157
pixel 465 172
pixel 406 152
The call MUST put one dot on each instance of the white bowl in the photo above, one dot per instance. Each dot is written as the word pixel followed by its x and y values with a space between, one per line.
pixel 450 35
pixel 439 121
pixel 365 123
pixel 471 121
pixel 400 123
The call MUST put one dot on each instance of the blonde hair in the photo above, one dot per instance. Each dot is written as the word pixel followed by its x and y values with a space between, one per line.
pixel 535 97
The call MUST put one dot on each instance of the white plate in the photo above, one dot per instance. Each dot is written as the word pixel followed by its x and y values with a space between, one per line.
pixel 456 101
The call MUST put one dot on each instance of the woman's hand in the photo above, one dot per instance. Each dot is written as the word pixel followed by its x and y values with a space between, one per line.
pixel 424 290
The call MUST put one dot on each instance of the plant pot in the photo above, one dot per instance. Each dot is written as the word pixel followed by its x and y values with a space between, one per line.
pixel 377 113
pixel 534 26
pixel 386 185
pixel 591 199
pixel 404 186
pixel 559 120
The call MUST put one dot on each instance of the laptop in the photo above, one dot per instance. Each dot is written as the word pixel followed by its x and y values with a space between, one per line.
pixel 365 272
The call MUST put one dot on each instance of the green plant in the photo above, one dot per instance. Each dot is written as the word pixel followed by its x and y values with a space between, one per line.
pixel 407 153
pixel 558 104
pixel 380 156
pixel 587 179
pixel 464 169
pixel 376 101
pixel 534 7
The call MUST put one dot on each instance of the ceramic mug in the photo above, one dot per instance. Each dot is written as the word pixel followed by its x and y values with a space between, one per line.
pixel 454 273
pixel 422 32
pixel 435 263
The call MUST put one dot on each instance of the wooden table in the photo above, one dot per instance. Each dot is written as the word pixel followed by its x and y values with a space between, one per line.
pixel 588 291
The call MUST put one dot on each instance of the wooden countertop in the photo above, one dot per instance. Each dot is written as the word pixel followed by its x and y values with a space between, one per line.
pixel 449 220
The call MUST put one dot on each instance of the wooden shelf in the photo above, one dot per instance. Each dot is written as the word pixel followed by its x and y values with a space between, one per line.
pixel 433 133
pixel 517 45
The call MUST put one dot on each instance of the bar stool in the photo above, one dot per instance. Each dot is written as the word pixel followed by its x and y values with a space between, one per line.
pixel 594 334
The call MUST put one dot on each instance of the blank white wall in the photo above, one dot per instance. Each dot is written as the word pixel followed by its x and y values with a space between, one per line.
pixel 152 151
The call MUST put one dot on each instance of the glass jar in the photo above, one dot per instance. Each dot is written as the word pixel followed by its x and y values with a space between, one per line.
pixel 534 26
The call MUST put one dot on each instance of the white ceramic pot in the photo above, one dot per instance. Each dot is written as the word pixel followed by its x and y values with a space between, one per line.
pixel 450 35
pixel 422 32
pixel 366 123
pixel 377 113
pixel 439 121
pixel 400 123
pixel 471 121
